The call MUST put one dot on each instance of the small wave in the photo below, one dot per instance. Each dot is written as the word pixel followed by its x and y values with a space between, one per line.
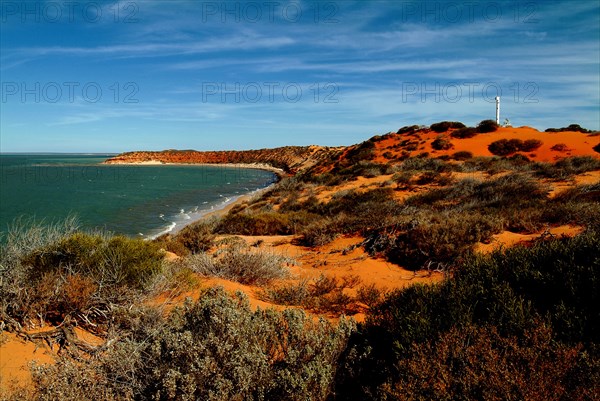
pixel 167 230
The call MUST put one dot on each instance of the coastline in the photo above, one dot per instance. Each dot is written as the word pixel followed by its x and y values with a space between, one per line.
pixel 219 211
pixel 257 166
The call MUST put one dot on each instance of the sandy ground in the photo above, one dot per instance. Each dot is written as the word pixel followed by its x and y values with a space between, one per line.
pixel 18 355
pixel 508 239
pixel 342 257
pixel 576 143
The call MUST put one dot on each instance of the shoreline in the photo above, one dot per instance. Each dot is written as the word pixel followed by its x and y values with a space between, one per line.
pixel 256 166
pixel 219 211
pixel 215 213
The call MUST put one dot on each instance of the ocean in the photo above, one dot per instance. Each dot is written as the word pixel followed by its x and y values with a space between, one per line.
pixel 136 200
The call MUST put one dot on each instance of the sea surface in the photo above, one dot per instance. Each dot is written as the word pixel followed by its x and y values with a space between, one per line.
pixel 139 200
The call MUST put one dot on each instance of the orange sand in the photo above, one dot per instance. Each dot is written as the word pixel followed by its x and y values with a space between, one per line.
pixel 578 144
pixel 508 239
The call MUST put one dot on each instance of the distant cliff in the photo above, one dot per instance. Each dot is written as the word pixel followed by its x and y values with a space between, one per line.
pixel 385 150
pixel 289 158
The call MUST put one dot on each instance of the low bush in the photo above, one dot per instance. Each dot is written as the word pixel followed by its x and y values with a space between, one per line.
pixel 560 147
pixel 246 265
pixel 319 233
pixel 441 144
pixel 463 133
pixel 495 311
pixel 323 294
pixel 216 349
pixel 445 126
pixel 504 147
pixel 567 167
pixel 109 261
pixel 425 164
pixel 475 363
pixel 462 155
pixel 197 237
pixel 409 129
pixel 570 128
pixel 264 223
pixel 597 148
pixel 78 275
pixel 440 241
pixel 487 126
pixel 529 145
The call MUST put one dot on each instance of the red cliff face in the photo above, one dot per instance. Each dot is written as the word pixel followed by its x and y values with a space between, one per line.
pixel 391 148
pixel 288 158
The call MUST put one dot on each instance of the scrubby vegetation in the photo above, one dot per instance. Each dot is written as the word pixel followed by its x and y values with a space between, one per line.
pixel 570 128
pixel 487 126
pixel 441 144
pixel 325 295
pixel 241 263
pixel 519 323
pixel 525 320
pixel 214 349
pixel 56 272
pixel 445 126
pixel 504 147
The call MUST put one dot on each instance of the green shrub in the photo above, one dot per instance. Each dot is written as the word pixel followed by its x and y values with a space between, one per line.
pixel 445 126
pixel 463 133
pixel 111 261
pixel 571 128
pixel 597 148
pixel 462 155
pixel 323 295
pixel 216 349
pixel 441 144
pixel 319 233
pixel 560 147
pixel 425 164
pixel 77 275
pixel 529 145
pixel 409 129
pixel 479 363
pixel 197 237
pixel 515 293
pixel 504 147
pixel 442 240
pixel 567 167
pixel 241 263
pixel 264 223
pixel 486 126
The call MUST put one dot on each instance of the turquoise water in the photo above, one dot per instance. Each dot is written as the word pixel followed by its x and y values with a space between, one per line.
pixel 142 201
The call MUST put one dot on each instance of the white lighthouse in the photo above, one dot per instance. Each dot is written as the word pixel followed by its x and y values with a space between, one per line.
pixel 498 110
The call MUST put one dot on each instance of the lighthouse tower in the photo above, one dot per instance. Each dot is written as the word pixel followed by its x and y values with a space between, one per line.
pixel 498 110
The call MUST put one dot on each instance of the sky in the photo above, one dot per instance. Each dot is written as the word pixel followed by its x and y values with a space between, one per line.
pixel 96 76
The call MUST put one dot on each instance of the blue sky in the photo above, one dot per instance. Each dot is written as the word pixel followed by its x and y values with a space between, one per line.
pixel 150 75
